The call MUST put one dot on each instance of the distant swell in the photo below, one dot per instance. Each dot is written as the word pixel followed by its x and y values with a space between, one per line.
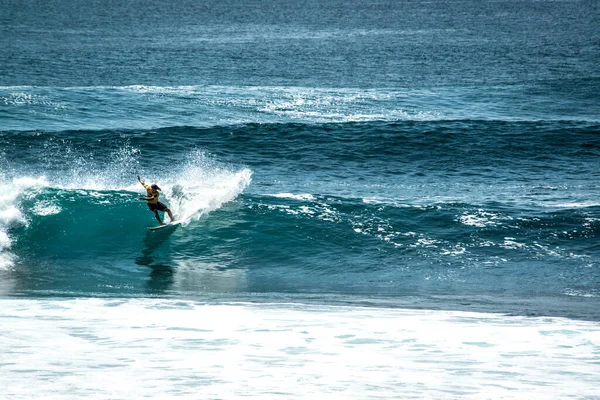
pixel 454 145
pixel 153 107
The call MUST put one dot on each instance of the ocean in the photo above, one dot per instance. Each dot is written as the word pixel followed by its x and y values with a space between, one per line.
pixel 381 199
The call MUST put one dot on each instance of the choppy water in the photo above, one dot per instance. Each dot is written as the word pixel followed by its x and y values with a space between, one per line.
pixel 386 158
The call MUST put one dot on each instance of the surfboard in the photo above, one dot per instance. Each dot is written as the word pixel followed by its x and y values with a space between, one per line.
pixel 170 224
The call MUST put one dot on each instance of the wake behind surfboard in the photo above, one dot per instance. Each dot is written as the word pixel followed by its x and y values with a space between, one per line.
pixel 172 224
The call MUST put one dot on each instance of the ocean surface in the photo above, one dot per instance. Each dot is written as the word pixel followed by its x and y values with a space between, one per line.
pixel 380 199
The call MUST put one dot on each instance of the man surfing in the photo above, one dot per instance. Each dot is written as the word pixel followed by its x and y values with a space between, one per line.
pixel 153 203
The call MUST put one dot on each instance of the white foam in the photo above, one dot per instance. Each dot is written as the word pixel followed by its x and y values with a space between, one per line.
pixel 222 105
pixel 335 105
pixel 202 185
pixel 481 218
pixel 576 205
pixel 123 349
pixel 579 293
pixel 320 211
pixel 510 243
pixel 45 207
pixel 302 196
pixel 11 214
pixel 404 203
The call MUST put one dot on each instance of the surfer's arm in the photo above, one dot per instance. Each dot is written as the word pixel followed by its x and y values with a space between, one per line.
pixel 147 189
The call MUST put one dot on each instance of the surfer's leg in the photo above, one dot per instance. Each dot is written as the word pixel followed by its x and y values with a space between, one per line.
pixel 158 217
pixel 168 210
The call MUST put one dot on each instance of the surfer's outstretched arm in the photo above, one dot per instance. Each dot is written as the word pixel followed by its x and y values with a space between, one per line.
pixel 141 181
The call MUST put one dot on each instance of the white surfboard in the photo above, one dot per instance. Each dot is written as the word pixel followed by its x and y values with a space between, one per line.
pixel 170 224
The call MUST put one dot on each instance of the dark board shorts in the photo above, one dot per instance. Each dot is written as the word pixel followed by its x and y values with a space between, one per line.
pixel 157 207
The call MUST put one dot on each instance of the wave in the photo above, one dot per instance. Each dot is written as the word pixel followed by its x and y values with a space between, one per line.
pixel 336 224
pixel 291 243
pixel 88 199
pixel 152 107
pixel 399 147
pixel 360 208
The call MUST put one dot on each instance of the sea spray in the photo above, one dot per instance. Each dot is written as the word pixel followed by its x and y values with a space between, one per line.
pixel 201 185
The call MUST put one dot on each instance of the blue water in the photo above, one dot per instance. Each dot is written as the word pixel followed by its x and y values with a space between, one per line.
pixel 439 154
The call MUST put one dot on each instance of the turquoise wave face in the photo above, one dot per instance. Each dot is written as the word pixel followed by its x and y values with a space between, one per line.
pixel 96 242
pixel 506 210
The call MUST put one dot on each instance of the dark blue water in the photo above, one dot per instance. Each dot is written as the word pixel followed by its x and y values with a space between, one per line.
pixel 428 154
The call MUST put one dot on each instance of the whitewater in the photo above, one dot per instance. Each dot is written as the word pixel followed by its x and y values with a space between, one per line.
pixel 144 347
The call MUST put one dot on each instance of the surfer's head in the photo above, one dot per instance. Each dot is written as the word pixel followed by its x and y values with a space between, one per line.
pixel 155 187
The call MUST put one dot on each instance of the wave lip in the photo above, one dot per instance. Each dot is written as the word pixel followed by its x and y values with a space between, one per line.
pixel 196 194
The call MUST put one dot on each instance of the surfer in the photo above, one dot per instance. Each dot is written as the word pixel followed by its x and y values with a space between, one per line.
pixel 153 203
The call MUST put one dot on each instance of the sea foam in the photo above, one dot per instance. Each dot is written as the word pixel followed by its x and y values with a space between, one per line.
pixel 129 348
